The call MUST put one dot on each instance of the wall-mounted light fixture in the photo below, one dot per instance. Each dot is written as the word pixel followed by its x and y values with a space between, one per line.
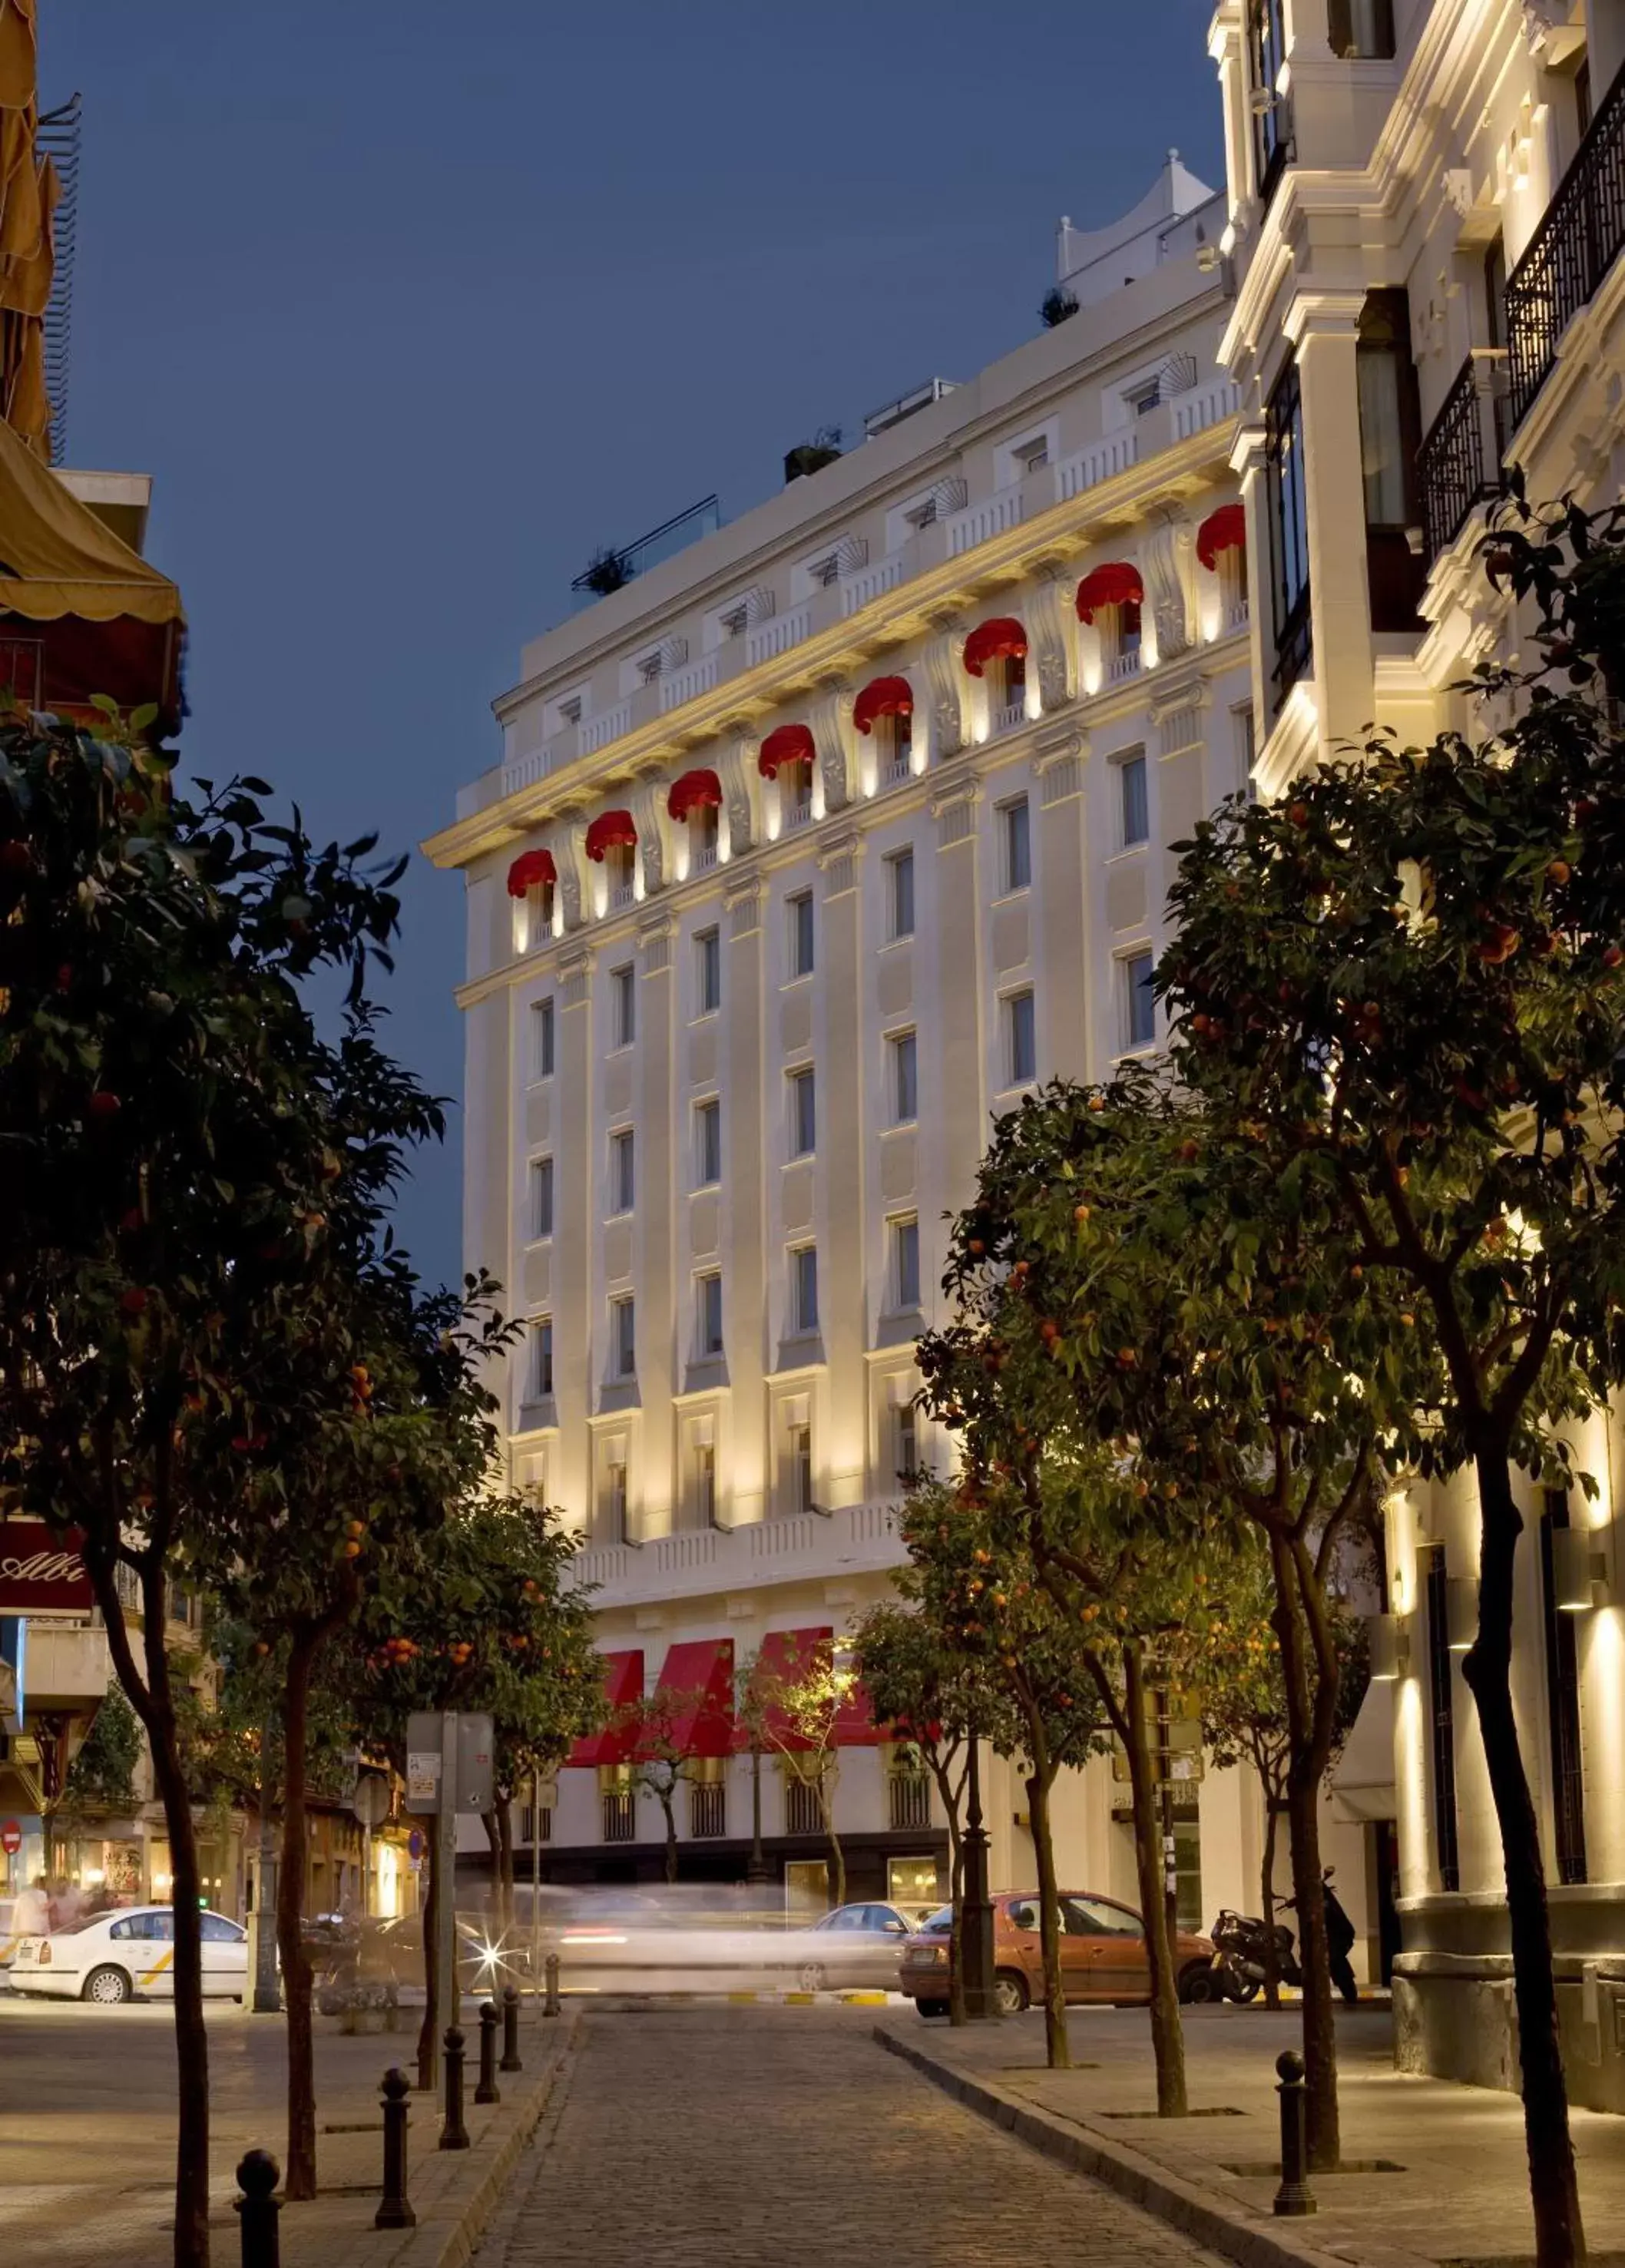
pixel 1582 1569
pixel 1389 1636
pixel 1461 1611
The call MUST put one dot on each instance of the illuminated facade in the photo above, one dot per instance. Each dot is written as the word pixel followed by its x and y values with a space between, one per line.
pixel 1427 207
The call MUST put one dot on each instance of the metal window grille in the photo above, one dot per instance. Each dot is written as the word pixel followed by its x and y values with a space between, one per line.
pixel 803 1813
pixel 618 1816
pixel 909 1799
pixel 1442 1722
pixel 707 1809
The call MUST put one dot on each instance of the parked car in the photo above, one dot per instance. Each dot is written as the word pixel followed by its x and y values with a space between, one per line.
pixel 854 1947
pixel 1103 1955
pixel 128 1955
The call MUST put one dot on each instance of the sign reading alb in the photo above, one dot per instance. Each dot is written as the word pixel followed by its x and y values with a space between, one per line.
pixel 42 1573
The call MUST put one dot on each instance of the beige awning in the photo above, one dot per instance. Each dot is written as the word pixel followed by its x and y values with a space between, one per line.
pixel 1362 1780
pixel 57 558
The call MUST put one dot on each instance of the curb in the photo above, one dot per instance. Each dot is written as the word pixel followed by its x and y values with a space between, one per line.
pixel 1194 2211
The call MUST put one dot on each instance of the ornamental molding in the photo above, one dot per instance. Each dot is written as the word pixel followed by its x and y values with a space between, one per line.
pixel 741 787
pixel 570 857
pixel 654 943
pixel 1052 626
pixel 1168 564
pixel 576 978
pixel 744 906
pixel 831 720
pixel 838 860
pixel 955 814
pixel 943 663
pixel 653 822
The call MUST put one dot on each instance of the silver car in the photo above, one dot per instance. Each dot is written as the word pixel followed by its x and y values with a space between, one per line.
pixel 856 1948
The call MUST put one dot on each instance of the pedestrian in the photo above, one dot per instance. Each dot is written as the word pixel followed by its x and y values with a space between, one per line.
pixel 31 1917
pixel 67 1904
pixel 1340 1934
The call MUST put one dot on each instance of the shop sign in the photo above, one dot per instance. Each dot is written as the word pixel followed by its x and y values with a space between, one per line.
pixel 41 1572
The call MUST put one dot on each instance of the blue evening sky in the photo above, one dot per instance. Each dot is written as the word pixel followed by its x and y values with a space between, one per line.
pixel 410 307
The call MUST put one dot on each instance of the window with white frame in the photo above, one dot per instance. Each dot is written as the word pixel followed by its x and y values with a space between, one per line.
pixel 902 1050
pixel 542 1033
pixel 734 622
pixel 895 737
pixel 539 1381
pixel 708 1314
pixel 708 1143
pixel 796 1473
pixel 702 1466
pixel 798 918
pixel 1139 1001
pixel 1133 809
pixel 612 1494
pixel 623 1337
pixel 1015 845
pixel 708 971
pixel 899 893
pixel 1144 397
pixel 804 1289
pixel 795 781
pixel 903 1261
pixel 906 1439
pixel 704 836
pixel 1246 749
pixel 1030 456
pixel 623 1171
pixel 542 1199
pixel 622 1005
pixel 1020 1040
pixel 802 1096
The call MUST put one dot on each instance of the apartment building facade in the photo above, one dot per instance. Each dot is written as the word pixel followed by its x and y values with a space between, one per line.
pixel 1426 216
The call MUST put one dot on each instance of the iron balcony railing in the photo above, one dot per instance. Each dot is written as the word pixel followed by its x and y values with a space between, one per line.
pixel 803 1815
pixel 1458 464
pixel 910 1800
pixel 620 1824
pixel 708 1808
pixel 1570 253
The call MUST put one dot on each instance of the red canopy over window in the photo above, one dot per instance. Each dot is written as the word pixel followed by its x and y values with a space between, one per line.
pixel 1116 584
pixel 697 1690
pixel 531 867
pixel 624 1684
pixel 883 696
pixel 994 641
pixel 611 830
pixel 785 1658
pixel 694 792
pixel 789 744
pixel 1223 530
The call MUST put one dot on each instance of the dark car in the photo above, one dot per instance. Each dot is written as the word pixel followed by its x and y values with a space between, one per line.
pixel 1103 1955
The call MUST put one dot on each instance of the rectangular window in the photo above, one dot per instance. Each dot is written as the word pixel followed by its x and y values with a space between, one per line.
pixel 1018 845
pixel 799 1459
pixel 906 1440
pixel 1436 1593
pixel 798 912
pixel 708 1309
pixel 905 1263
pixel 1030 456
pixel 623 1337
pixel 540 1384
pixel 542 1039
pixel 708 970
pixel 905 1080
pixel 622 1172
pixel 542 1197
pixel 899 893
pixel 613 1512
pixel 1286 513
pixel 1562 1703
pixel 623 1006
pixel 1246 749
pixel 705 1483
pixel 1267 53
pixel 708 1144
pixel 1131 789
pixel 1139 1000
pixel 804 1288
pixel 1360 30
pixel 1390 407
pixel 803 1114
pixel 1020 1040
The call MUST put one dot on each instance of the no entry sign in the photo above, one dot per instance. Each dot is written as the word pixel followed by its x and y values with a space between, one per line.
pixel 11 1837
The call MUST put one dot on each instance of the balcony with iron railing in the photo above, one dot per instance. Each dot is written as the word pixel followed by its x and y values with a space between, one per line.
pixel 909 1799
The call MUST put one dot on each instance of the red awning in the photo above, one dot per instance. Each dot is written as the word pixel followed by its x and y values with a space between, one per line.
pixel 855 1721
pixel 611 830
pixel 624 1684
pixel 994 641
pixel 700 791
pixel 1223 530
pixel 786 1657
pixel 696 1686
pixel 790 744
pixel 883 696
pixel 1116 584
pixel 531 867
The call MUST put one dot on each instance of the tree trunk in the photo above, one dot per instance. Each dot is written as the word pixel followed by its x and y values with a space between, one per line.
pixel 827 1805
pixel 184 1891
pixel 300 2169
pixel 504 1864
pixel 1167 2032
pixel 1310 1712
pixel 668 1805
pixel 1267 1900
pixel 1559 2233
pixel 950 1795
pixel 428 2030
pixel 1056 2044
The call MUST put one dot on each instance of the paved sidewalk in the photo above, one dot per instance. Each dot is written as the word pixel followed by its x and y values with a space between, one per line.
pixel 701 2135
pixel 87 2138
pixel 1457 2186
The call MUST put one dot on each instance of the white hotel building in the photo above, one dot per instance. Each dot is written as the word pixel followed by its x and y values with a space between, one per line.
pixel 809 849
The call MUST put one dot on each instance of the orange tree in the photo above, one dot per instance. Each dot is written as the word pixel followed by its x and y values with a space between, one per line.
pixel 791 1704
pixel 168 1160
pixel 1406 979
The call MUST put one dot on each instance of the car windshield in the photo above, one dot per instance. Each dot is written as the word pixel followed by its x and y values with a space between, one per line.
pixel 942 1920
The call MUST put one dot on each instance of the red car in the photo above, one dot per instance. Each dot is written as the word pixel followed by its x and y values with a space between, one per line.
pixel 1103 1955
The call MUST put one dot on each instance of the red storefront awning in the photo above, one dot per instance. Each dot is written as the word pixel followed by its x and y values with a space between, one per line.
pixel 1223 530
pixel 994 641
pixel 531 867
pixel 785 1658
pixel 696 1689
pixel 696 791
pixel 611 830
pixel 624 1684
pixel 883 696
pixel 789 744
pixel 1115 584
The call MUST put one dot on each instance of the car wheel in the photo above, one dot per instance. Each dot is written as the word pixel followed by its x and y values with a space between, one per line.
pixel 933 2007
pixel 1010 1996
pixel 1196 1984
pixel 810 1976
pixel 108 1988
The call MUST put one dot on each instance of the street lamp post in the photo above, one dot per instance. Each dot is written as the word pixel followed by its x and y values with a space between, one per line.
pixel 976 1912
pixel 757 1870
pixel 266 1988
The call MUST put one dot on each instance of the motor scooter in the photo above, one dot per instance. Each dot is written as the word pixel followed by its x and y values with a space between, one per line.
pixel 1239 1969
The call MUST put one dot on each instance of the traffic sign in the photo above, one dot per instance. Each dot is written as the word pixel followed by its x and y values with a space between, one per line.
pixel 370 1800
pixel 10 1838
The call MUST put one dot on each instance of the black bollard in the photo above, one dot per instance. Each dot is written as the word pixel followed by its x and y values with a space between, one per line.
pixel 510 2029
pixel 453 2133
pixel 395 2212
pixel 257 2176
pixel 1294 2195
pixel 487 2090
pixel 550 2005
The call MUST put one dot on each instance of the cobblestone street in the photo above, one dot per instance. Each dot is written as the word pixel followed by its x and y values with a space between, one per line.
pixel 784 2136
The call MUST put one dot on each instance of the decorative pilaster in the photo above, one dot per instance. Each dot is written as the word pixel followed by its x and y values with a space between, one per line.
pixel 654 830
pixel 741 787
pixel 1168 562
pixel 575 871
pixel 1052 627
pixel 832 736
pixel 944 676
